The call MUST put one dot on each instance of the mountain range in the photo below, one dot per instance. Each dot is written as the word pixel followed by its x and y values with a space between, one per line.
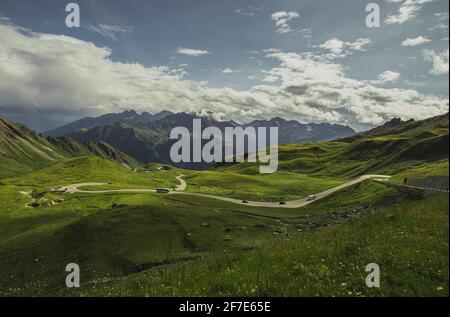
pixel 131 143
pixel 145 137
pixel 106 119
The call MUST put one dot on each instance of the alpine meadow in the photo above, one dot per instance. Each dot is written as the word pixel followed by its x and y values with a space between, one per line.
pixel 251 149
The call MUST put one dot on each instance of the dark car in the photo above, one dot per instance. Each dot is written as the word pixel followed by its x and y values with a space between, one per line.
pixel 282 203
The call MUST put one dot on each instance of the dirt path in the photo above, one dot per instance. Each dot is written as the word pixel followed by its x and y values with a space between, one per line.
pixel 180 190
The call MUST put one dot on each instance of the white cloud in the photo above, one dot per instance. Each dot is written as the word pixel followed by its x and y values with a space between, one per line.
pixel 439 60
pixel 270 79
pixel 415 41
pixel 113 32
pixel 322 88
pixel 282 19
pixel 442 22
pixel 191 51
pixel 414 83
pixel 250 11
pixel 231 71
pixel 388 77
pixel 334 45
pixel 339 49
pixel 57 75
pixel 408 10
pixel 359 44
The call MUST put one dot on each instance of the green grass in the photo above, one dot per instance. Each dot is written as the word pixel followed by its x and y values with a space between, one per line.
pixel 92 169
pixel 144 230
pixel 155 233
pixel 172 245
pixel 408 241
pixel 352 157
pixel 423 171
pixel 261 187
pixel 155 244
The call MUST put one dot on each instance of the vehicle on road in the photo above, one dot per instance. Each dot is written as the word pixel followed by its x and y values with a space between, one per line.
pixel 282 203
pixel 162 190
pixel 311 197
pixel 245 202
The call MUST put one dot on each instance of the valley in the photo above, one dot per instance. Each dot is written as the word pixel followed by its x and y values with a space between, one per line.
pixel 225 156
pixel 132 241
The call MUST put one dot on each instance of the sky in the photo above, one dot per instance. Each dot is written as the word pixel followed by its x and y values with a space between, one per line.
pixel 308 60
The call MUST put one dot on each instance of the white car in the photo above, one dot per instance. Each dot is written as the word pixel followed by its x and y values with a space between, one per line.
pixel 311 197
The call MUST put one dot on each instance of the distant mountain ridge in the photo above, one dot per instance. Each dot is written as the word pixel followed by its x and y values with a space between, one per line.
pixel 396 144
pixel 145 137
pixel 106 119
pixel 295 132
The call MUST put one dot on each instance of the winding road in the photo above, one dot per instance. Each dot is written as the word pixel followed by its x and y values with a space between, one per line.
pixel 180 190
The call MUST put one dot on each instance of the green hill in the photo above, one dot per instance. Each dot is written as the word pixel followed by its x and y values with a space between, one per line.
pixel 22 150
pixel 388 149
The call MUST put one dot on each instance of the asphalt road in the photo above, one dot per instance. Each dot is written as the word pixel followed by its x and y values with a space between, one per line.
pixel 399 185
pixel 288 204
pixel 180 190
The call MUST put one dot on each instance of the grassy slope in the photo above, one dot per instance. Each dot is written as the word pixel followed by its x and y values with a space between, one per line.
pixel 433 169
pixel 261 187
pixel 145 230
pixel 154 230
pixel 92 169
pixel 384 151
pixel 409 242
pixel 23 151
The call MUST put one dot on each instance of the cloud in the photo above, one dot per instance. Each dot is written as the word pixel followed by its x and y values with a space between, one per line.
pixel 270 79
pixel 191 51
pixel 323 89
pixel 408 10
pixel 442 22
pixel 387 77
pixel 56 76
pixel 415 41
pixel 439 60
pixel 113 32
pixel 339 49
pixel 282 19
pixel 249 11
pixel 231 71
pixel 359 44
pixel 334 45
